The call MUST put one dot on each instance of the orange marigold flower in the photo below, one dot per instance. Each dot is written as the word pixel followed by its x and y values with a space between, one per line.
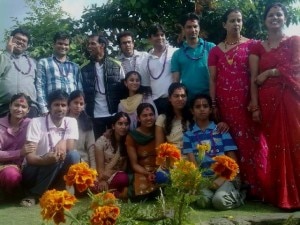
pixel 105 215
pixel 81 176
pixel 167 154
pixel 225 167
pixel 104 198
pixel 53 204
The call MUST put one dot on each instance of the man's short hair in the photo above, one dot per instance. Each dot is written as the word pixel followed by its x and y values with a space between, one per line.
pixel 154 28
pixel 22 31
pixel 61 35
pixel 189 16
pixel 124 34
pixel 100 38
pixel 57 95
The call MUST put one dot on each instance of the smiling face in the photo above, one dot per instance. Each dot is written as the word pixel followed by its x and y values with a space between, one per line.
pixel 158 40
pixel 178 98
pixel 133 83
pixel 76 106
pixel 191 29
pixel 21 43
pixel 127 46
pixel 58 109
pixel 234 23
pixel 147 118
pixel 19 108
pixel 61 47
pixel 275 18
pixel 121 127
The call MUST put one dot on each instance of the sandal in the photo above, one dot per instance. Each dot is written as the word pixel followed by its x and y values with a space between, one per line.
pixel 28 201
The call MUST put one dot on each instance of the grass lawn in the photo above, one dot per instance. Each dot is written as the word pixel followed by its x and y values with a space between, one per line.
pixel 13 214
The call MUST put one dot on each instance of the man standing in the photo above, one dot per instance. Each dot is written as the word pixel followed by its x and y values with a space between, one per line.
pixel 50 143
pixel 17 71
pixel 189 63
pixel 101 81
pixel 130 58
pixel 57 72
pixel 157 66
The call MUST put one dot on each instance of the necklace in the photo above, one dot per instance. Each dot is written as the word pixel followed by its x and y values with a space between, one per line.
pixel 61 72
pixel 230 61
pixel 19 70
pixel 51 145
pixel 163 69
pixel 275 45
pixel 195 58
pixel 97 82
pixel 232 43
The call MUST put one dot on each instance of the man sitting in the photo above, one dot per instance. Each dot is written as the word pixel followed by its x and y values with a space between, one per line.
pixel 50 141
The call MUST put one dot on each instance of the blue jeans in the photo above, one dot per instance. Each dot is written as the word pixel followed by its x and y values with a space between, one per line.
pixel 37 179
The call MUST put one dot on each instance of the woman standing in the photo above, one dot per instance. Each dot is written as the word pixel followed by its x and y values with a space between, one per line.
pixel 275 103
pixel 85 144
pixel 171 125
pixel 137 94
pixel 12 139
pixel 111 156
pixel 141 151
pixel 230 93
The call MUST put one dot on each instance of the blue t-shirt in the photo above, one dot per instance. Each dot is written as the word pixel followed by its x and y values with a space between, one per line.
pixel 192 65
pixel 219 143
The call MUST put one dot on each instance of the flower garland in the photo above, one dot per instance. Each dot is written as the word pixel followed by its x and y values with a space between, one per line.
pixel 195 58
pixel 163 69
pixel 19 70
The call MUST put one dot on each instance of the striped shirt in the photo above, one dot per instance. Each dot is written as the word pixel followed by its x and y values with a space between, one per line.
pixel 219 142
pixel 52 75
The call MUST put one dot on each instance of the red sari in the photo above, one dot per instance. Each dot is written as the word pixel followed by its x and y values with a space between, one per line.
pixel 233 97
pixel 279 100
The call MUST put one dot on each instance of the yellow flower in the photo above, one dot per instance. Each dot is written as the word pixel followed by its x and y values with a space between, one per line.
pixel 185 176
pixel 202 149
pixel 105 215
pixel 53 204
pixel 167 155
pixel 81 175
pixel 225 167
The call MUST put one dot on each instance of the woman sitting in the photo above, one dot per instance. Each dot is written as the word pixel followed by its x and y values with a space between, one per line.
pixel 12 139
pixel 141 150
pixel 111 157
pixel 136 95
pixel 86 141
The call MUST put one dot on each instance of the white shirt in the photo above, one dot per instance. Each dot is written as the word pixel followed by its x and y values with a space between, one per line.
pixel 160 75
pixel 37 132
pixel 135 63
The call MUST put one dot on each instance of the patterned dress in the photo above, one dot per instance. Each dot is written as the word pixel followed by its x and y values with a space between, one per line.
pixel 233 97
pixel 279 100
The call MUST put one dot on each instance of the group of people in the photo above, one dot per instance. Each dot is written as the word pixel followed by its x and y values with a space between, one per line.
pixel 242 97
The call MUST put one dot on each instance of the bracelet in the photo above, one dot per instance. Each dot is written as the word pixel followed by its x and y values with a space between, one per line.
pixel 253 108
pixel 214 103
pixel 273 72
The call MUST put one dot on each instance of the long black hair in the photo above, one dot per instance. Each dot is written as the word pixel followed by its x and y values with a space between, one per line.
pixel 84 121
pixel 113 140
pixel 170 114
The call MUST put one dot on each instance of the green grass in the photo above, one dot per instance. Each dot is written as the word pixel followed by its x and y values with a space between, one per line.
pixel 13 214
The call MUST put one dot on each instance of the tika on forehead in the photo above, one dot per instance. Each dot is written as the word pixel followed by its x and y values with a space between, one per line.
pixel 22 100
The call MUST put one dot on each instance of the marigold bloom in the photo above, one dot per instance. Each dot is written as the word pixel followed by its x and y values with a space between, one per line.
pixel 105 215
pixel 185 176
pixel 225 167
pixel 167 154
pixel 81 176
pixel 53 204
pixel 104 198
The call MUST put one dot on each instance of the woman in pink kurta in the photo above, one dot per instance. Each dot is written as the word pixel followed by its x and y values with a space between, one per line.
pixel 275 103
pixel 230 91
pixel 12 138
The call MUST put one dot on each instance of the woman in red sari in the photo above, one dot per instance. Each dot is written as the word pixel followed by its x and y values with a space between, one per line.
pixel 230 92
pixel 275 103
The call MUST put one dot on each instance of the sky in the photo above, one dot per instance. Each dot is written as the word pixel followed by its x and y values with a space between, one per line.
pixel 17 8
